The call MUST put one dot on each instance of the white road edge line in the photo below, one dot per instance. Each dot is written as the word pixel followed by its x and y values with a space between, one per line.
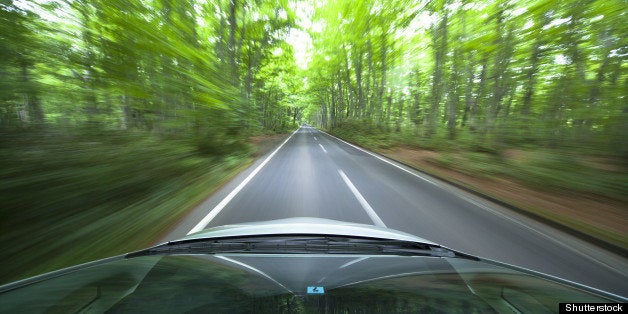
pixel 319 144
pixel 369 210
pixel 384 160
pixel 525 226
pixel 503 216
pixel 216 210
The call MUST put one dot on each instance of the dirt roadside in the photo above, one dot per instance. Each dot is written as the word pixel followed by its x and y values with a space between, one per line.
pixel 265 143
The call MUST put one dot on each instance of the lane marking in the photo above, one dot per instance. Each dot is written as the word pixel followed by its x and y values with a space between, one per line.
pixel 319 144
pixel 315 138
pixel 369 210
pixel 384 160
pixel 216 210
pixel 502 215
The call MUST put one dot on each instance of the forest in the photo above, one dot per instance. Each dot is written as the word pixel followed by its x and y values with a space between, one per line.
pixel 113 110
pixel 504 73
pixel 547 73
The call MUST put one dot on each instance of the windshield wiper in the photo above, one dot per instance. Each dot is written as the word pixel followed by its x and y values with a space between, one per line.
pixel 300 244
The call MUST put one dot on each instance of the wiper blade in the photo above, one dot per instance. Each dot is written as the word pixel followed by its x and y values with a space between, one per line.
pixel 308 244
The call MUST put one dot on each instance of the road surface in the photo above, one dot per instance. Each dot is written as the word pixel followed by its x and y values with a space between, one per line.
pixel 313 174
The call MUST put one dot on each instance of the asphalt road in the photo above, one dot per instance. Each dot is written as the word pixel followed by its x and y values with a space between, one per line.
pixel 313 174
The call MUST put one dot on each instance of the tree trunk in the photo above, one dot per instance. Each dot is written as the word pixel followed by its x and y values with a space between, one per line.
pixel 233 69
pixel 468 94
pixel 31 101
pixel 369 77
pixel 382 86
pixel 89 97
pixel 453 98
pixel 388 111
pixel 358 77
pixel 531 75
pixel 400 115
pixel 474 111
pixel 440 52
pixel 502 60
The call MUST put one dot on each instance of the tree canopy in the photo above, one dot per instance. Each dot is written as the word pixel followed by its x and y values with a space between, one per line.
pixel 505 73
pixel 208 70
pixel 534 72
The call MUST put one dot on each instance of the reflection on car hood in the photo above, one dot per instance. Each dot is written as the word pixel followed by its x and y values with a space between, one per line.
pixel 305 225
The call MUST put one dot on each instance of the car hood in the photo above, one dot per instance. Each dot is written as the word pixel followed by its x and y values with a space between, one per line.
pixel 197 281
pixel 305 225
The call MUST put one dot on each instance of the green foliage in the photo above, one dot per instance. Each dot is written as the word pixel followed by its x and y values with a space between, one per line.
pixel 69 198
pixel 473 80
pixel 161 66
pixel 560 171
pixel 118 116
pixel 189 81
pixel 493 74
pixel 364 133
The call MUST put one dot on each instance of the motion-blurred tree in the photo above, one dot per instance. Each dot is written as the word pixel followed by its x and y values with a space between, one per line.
pixel 506 73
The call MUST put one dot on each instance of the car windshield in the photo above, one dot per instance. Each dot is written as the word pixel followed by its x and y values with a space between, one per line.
pixel 486 131
pixel 294 283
